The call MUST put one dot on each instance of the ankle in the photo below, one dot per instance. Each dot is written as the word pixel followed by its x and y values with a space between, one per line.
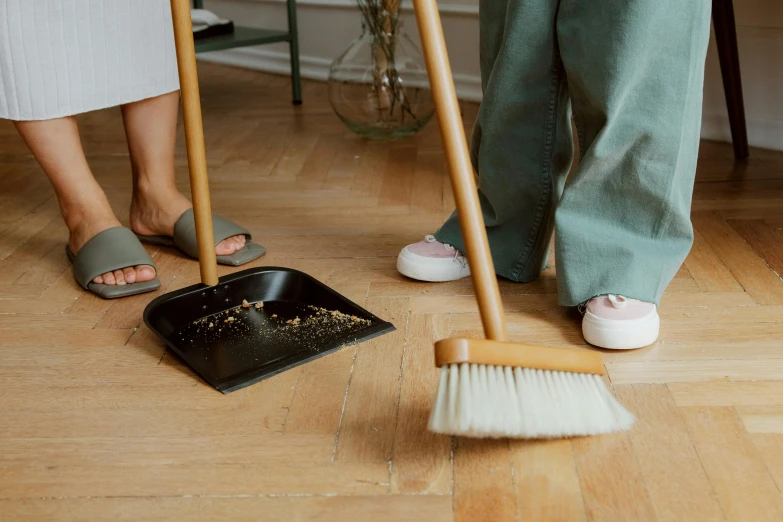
pixel 83 226
pixel 78 214
pixel 149 203
pixel 155 213
pixel 147 191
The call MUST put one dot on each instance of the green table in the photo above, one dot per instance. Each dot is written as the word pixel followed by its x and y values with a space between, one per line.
pixel 246 36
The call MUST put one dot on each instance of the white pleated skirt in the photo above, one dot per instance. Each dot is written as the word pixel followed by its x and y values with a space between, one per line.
pixel 64 57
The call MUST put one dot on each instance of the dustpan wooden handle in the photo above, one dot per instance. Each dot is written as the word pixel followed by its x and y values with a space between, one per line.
pixel 461 171
pixel 194 139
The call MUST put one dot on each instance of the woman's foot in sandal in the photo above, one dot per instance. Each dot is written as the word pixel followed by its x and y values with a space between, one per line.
pixel 56 145
pixel 154 212
pixel 83 228
pixel 159 213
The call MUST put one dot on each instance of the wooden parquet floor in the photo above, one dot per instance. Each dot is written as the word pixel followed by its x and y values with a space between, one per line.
pixel 98 422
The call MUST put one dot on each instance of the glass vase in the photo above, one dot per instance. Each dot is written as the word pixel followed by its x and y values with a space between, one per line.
pixel 378 86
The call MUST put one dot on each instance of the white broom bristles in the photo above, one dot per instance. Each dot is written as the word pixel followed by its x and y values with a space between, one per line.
pixel 477 400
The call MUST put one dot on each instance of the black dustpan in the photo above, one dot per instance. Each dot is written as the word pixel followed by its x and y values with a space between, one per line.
pixel 257 323
pixel 244 327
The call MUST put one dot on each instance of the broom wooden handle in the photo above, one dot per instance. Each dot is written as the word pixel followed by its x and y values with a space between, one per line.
pixel 194 140
pixel 461 171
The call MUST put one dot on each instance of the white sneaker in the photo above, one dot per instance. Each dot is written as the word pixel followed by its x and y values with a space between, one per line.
pixel 432 261
pixel 619 323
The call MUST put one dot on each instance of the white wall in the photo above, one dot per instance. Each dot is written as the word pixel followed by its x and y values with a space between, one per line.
pixel 326 27
pixel 760 37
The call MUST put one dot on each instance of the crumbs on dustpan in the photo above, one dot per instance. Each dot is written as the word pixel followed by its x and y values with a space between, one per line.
pixel 311 320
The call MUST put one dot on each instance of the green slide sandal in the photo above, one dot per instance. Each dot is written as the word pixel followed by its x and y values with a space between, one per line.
pixel 185 239
pixel 113 249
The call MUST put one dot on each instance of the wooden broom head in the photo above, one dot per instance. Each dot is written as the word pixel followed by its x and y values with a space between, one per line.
pixel 496 353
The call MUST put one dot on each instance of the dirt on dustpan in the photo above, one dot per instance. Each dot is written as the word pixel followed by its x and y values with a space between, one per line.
pixel 304 326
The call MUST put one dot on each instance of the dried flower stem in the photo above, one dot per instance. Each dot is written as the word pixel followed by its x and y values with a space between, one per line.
pixel 381 19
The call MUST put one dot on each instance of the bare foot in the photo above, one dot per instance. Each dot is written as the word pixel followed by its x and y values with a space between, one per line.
pixel 85 228
pixel 154 213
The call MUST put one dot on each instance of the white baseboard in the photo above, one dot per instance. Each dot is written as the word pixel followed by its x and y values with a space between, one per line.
pixel 261 59
pixel 466 9
pixel 468 87
pixel 765 134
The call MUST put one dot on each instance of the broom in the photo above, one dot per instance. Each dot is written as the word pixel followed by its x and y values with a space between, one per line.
pixel 491 387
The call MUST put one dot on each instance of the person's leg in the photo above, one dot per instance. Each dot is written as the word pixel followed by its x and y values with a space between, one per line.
pixel 635 73
pixel 151 130
pixel 521 145
pixel 85 209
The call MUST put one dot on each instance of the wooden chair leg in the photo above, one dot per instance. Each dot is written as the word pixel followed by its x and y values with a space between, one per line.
pixel 726 39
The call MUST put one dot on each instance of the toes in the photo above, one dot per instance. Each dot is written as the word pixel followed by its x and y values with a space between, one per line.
pixel 225 248
pixel 126 276
pixel 230 245
pixel 145 273
pixel 239 242
pixel 130 275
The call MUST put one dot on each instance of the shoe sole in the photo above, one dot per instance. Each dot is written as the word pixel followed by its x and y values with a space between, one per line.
pixel 621 334
pixel 429 270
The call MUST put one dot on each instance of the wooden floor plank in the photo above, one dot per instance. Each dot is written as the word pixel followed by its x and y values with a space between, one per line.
pixel 368 424
pixel 762 418
pixel 483 481
pixel 177 450
pixel 35 306
pixel 744 263
pixel 655 372
pixel 367 182
pixel 21 291
pixel 398 178
pixel 35 252
pixel 345 165
pixel 707 269
pixel 546 481
pixel 678 486
pixel 613 485
pixel 765 240
pixel 320 158
pixel 745 393
pixel 421 462
pixel 32 321
pixel 427 192
pixel 318 401
pixel 264 478
pixel 738 474
pixel 770 447
pixel 279 509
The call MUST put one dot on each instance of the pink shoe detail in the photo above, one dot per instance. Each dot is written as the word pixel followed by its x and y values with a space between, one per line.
pixel 619 307
pixel 431 247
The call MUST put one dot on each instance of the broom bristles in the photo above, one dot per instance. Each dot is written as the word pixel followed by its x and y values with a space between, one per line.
pixel 477 400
